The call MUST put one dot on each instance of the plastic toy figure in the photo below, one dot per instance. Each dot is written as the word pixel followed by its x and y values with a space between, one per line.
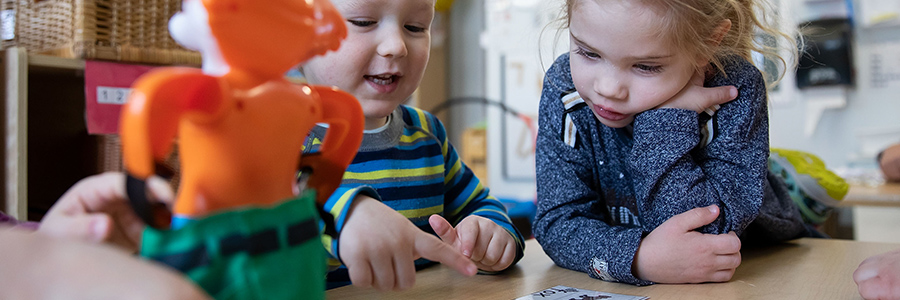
pixel 237 228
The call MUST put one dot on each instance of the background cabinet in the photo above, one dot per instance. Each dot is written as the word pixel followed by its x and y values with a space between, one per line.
pixel 46 146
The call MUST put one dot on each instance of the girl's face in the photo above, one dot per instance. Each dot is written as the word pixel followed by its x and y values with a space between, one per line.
pixel 383 58
pixel 620 65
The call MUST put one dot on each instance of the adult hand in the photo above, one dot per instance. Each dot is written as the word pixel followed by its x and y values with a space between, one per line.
pixel 890 163
pixel 675 253
pixel 698 98
pixel 36 266
pixel 96 209
pixel 487 244
pixel 379 246
pixel 878 277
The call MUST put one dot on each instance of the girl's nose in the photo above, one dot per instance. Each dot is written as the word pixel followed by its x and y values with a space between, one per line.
pixel 610 86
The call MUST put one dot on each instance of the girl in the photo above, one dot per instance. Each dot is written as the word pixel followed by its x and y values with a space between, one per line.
pixel 635 154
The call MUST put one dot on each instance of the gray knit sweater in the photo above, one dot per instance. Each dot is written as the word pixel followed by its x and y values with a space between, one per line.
pixel 601 189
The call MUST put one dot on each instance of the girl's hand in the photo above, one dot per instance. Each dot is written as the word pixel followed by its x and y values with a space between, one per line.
pixel 675 253
pixel 487 244
pixel 698 98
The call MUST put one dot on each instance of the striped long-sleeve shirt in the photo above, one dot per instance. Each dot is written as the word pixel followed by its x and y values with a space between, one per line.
pixel 411 167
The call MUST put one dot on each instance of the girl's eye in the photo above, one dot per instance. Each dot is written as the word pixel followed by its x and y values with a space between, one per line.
pixel 590 55
pixel 412 28
pixel 648 68
pixel 360 23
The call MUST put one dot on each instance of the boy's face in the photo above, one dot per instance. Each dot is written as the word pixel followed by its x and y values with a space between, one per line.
pixel 383 58
pixel 620 65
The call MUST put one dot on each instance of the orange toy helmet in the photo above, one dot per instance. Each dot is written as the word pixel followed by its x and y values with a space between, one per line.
pixel 241 28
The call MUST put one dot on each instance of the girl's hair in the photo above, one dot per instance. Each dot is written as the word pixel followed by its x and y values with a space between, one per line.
pixel 689 25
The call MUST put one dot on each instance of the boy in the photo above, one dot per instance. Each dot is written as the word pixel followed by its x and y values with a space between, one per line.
pixel 405 156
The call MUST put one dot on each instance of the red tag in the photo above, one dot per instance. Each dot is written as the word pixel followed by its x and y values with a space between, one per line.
pixel 106 87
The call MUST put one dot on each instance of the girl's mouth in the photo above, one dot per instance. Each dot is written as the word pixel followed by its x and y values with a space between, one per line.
pixel 608 114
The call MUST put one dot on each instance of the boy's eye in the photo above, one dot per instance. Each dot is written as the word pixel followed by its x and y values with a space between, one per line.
pixel 412 28
pixel 588 54
pixel 361 23
pixel 648 68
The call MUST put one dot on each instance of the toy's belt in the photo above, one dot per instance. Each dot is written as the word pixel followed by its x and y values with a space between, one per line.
pixel 258 243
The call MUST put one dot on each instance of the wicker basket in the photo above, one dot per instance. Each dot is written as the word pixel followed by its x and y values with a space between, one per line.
pixel 110 158
pixel 118 30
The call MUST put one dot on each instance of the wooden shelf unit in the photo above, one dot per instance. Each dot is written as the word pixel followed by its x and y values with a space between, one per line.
pixel 46 146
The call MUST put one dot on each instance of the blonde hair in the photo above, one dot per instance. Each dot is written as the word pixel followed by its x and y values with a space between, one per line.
pixel 689 26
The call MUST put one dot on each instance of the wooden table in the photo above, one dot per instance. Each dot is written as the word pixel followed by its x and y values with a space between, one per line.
pixel 801 269
pixel 887 194
pixel 875 212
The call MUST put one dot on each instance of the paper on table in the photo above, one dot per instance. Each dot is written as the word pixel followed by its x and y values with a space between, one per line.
pixel 561 292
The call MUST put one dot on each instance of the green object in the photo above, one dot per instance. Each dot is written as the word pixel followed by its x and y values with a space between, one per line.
pixel 254 253
pixel 443 5
pixel 814 188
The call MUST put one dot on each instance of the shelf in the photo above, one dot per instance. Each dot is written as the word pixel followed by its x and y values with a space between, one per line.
pixel 53 62
pixel 46 146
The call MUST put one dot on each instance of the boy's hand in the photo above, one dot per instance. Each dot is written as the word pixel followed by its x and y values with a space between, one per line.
pixel 698 98
pixel 487 244
pixel 878 277
pixel 96 209
pixel 675 253
pixel 379 247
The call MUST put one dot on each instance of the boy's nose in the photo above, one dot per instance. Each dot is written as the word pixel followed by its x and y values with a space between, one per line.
pixel 392 44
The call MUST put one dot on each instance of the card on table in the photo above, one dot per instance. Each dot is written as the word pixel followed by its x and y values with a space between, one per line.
pixel 561 292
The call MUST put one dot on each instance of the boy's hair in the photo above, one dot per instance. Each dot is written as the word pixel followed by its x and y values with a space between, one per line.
pixel 688 25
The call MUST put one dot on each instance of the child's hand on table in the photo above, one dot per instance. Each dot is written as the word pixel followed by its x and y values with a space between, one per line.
pixel 379 246
pixel 878 277
pixel 675 253
pixel 487 244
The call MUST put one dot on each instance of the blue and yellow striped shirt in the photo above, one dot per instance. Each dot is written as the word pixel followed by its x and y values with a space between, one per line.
pixel 411 167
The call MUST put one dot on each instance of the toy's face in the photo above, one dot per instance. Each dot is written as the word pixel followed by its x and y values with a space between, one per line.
pixel 190 27
pixel 384 56
pixel 269 37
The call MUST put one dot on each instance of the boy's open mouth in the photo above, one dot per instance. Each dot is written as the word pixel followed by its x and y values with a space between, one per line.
pixel 381 79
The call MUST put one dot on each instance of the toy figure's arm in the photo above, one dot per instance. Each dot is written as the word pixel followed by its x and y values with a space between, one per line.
pixel 345 122
pixel 150 119
pixel 149 123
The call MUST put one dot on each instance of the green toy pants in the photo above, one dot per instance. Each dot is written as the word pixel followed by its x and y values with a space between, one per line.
pixel 253 253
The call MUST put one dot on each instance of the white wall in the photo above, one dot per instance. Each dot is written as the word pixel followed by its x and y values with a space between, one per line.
pixel 515 69
pixel 848 135
pixel 851 134
pixel 466 59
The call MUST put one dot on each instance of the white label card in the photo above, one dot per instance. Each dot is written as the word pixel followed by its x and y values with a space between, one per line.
pixel 112 95
pixel 561 292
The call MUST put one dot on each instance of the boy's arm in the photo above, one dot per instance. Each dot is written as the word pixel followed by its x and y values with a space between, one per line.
pixel 338 207
pixel 672 175
pixel 570 222
pixel 464 195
